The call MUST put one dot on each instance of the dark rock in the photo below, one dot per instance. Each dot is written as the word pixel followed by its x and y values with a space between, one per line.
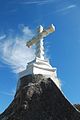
pixel 77 106
pixel 38 98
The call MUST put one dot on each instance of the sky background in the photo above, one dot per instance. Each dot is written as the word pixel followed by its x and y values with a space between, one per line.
pixel 18 22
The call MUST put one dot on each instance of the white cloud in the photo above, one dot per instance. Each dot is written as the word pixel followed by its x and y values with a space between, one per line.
pixel 15 53
pixel 71 6
pixel 27 31
pixel 66 8
pixel 2 37
pixel 38 2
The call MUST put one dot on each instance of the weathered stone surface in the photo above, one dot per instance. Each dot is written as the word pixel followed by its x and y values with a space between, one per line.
pixel 77 106
pixel 39 98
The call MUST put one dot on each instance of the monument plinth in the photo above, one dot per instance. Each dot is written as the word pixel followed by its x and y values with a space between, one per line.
pixel 40 65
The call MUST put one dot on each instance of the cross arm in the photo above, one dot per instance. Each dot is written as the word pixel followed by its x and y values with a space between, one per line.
pixel 40 35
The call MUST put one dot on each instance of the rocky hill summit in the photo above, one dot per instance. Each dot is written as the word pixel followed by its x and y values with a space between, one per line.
pixel 38 98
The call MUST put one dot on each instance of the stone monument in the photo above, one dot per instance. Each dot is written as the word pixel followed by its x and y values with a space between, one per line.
pixel 40 65
pixel 37 96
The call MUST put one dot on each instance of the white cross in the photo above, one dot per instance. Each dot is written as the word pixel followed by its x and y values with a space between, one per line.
pixel 38 40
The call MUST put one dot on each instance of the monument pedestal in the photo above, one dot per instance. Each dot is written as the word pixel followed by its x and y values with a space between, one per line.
pixel 39 66
pixel 43 67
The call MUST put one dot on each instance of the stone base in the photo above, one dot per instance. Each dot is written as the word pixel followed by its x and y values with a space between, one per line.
pixel 39 66
pixel 42 67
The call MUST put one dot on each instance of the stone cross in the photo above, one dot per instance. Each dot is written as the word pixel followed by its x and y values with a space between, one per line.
pixel 38 40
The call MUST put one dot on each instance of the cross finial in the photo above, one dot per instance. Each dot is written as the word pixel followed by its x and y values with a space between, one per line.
pixel 38 40
pixel 40 29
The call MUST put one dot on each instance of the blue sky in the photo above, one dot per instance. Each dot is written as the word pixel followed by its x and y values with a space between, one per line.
pixel 18 22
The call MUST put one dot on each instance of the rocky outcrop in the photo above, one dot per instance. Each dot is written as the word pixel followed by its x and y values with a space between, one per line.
pixel 77 106
pixel 38 98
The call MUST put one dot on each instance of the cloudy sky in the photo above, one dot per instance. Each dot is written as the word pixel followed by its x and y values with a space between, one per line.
pixel 18 22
